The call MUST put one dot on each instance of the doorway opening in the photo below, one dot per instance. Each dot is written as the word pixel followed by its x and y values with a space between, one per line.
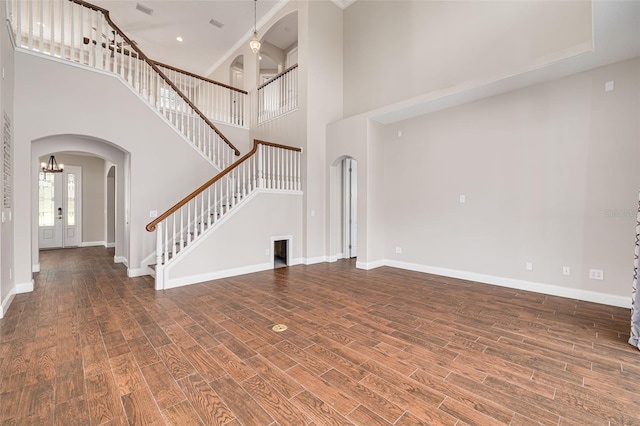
pixel 350 208
pixel 280 253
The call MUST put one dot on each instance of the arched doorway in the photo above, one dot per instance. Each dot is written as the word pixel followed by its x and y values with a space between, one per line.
pixel 104 156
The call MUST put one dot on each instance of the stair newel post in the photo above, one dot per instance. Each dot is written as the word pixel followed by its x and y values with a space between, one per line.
pixel 159 244
pixel 260 170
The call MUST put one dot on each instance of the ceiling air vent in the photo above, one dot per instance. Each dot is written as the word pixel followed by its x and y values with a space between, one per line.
pixel 216 23
pixel 144 9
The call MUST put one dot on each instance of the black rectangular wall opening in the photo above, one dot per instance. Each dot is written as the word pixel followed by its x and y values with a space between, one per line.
pixel 280 253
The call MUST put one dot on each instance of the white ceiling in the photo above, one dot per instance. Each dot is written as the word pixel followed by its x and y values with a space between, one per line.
pixel 204 44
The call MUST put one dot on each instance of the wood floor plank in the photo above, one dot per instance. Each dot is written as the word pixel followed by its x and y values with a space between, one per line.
pixel 319 410
pixel 279 407
pixel 141 408
pixel 102 393
pixel 127 374
pixel 181 414
pixel 323 389
pixel 245 408
pixel 379 405
pixel 207 403
pixel 161 384
pixel 281 381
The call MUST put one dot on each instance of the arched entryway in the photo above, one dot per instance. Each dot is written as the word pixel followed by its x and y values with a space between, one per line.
pixel 105 166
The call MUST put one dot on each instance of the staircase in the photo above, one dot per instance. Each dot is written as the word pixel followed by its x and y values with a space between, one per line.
pixel 84 34
pixel 267 167
pixel 79 32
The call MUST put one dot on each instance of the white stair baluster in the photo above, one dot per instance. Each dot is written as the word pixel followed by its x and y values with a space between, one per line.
pixel 181 228
pixel 159 244
pixel 173 233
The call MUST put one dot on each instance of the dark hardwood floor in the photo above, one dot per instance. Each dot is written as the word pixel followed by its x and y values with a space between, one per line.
pixel 92 347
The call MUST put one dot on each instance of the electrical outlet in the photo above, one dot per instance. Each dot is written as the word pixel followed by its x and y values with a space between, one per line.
pixel 609 86
pixel 596 274
pixel 398 250
pixel 399 133
pixel 529 266
pixel 463 199
pixel 153 213
pixel 566 270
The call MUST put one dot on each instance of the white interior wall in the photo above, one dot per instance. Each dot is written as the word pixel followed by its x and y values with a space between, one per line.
pixel 549 174
pixel 447 44
pixel 7 271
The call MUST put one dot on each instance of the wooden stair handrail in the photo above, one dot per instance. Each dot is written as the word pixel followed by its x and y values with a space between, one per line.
pixel 152 225
pixel 199 77
pixel 153 65
pixel 278 76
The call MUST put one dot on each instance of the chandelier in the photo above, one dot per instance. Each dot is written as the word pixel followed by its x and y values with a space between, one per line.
pixel 254 43
pixel 52 166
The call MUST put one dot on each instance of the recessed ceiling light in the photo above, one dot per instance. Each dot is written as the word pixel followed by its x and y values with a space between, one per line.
pixel 180 39
pixel 287 29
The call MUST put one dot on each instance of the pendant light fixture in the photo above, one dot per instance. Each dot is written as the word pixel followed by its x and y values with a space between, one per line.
pixel 52 166
pixel 254 43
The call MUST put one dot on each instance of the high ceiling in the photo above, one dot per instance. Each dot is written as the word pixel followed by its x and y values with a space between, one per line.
pixel 203 43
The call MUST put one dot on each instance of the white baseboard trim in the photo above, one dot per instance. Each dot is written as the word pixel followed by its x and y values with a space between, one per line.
pixel 7 302
pixel 35 268
pixel 93 244
pixel 294 262
pixel 550 289
pixel 138 272
pixel 369 265
pixel 24 287
pixel 313 260
pixel 194 279
pixel 110 245
pixel 120 259
pixel 335 258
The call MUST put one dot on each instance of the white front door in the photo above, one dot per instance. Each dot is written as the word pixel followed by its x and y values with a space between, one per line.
pixel 59 214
